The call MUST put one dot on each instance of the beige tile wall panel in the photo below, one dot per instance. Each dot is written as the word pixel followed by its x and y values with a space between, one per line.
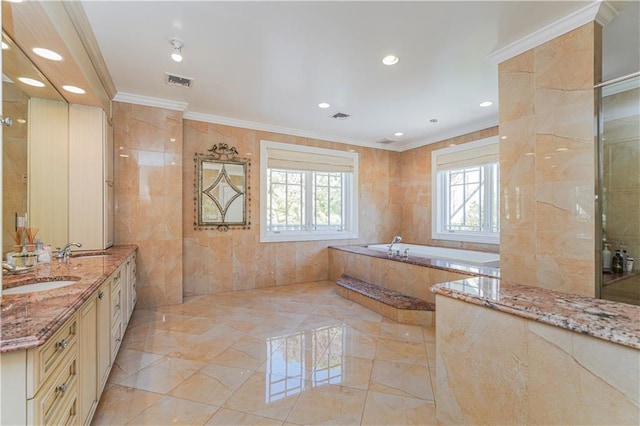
pixel 547 375
pixel 48 184
pixel 149 196
pixel 547 163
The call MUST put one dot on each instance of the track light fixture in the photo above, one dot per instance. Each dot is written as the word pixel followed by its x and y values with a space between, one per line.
pixel 177 44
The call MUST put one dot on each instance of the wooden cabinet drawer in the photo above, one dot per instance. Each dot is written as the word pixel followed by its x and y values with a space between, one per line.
pixel 116 302
pixel 45 358
pixel 116 339
pixel 53 400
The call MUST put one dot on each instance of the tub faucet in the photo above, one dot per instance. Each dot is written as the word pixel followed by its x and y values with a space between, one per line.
pixel 396 240
pixel 65 251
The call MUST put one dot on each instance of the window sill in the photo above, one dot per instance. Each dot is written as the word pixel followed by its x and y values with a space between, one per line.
pixel 306 236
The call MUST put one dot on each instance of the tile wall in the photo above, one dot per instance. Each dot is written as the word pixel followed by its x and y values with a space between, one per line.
pixel 148 197
pixel 547 376
pixel 547 163
pixel 217 261
pixel 413 192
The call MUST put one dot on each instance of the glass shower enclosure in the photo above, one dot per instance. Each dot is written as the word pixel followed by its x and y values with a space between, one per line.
pixel 619 187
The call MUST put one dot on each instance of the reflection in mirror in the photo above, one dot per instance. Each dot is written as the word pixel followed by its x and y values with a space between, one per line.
pixel 222 192
pixel 14 160
pixel 17 142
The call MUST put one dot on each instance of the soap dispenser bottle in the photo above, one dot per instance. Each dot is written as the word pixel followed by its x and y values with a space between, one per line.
pixel 606 259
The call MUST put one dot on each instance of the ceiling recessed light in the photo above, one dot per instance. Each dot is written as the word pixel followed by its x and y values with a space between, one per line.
pixel 398 134
pixel 47 54
pixel 323 105
pixel 74 89
pixel 562 149
pixel 529 153
pixel 176 54
pixel 31 82
pixel 390 60
pixel 172 139
pixel 503 137
pixel 124 156
pixel 486 104
pixel 5 46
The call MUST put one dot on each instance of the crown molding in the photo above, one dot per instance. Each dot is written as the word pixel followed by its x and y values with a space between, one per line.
pixel 606 13
pixel 131 98
pixel 233 122
pixel 443 136
pixel 562 26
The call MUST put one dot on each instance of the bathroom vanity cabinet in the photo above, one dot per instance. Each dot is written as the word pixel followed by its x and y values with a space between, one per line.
pixel 61 381
pixel 91 202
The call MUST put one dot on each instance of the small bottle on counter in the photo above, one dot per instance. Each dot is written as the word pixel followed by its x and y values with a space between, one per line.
pixel 629 264
pixel 606 259
pixel 616 263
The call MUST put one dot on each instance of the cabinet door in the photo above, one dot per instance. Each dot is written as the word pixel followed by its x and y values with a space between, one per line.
pixel 104 334
pixel 88 358
pixel 86 179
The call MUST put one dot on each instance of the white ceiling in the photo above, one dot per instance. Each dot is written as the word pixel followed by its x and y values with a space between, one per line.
pixel 267 65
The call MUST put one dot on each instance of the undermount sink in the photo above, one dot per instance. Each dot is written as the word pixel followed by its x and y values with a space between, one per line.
pixel 42 286
pixel 90 254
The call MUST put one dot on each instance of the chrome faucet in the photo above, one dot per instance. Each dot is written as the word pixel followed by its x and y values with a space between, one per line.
pixel 396 240
pixel 65 251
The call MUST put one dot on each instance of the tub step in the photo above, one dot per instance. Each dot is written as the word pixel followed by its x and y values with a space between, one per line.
pixel 389 303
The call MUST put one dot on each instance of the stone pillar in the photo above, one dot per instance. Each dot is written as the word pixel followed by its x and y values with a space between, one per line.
pixel 547 163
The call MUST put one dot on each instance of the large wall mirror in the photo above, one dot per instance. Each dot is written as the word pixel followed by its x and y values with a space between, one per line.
pixel 32 111
pixel 221 189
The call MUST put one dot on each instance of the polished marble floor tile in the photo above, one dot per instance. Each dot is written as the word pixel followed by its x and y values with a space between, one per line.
pixel 290 355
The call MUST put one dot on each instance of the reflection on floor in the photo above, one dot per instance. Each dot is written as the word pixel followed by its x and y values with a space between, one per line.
pixel 626 290
pixel 296 354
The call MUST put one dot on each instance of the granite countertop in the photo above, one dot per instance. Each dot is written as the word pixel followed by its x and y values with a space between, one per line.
pixel 27 320
pixel 611 321
pixel 446 265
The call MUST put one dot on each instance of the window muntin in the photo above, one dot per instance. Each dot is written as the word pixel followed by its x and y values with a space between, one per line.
pixel 308 193
pixel 466 204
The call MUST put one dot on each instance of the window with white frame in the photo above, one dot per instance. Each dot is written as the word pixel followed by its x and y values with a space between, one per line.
pixel 466 192
pixel 307 193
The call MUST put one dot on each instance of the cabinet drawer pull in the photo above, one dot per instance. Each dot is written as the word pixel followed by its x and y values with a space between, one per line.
pixel 117 306
pixel 101 295
pixel 62 388
pixel 62 344
pixel 118 340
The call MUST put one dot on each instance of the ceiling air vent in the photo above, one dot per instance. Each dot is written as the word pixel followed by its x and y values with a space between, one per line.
pixel 340 116
pixel 178 80
pixel 385 141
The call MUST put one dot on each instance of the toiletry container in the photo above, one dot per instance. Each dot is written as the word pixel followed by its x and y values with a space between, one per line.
pixel 629 264
pixel 606 259
pixel 616 263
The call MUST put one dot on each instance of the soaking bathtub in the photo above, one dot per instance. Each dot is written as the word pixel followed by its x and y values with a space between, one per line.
pixel 467 257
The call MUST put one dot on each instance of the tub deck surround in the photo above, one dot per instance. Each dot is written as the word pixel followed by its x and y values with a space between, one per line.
pixel 445 265
pixel 389 303
pixel 29 319
pixel 611 321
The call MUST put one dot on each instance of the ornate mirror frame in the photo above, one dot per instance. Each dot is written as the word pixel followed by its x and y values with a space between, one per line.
pixel 232 186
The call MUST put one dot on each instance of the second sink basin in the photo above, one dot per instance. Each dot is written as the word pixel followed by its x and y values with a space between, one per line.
pixel 42 286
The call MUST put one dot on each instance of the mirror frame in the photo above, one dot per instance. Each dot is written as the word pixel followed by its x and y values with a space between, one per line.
pixel 220 154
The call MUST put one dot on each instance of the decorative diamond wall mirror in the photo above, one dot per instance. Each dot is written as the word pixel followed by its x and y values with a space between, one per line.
pixel 221 189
